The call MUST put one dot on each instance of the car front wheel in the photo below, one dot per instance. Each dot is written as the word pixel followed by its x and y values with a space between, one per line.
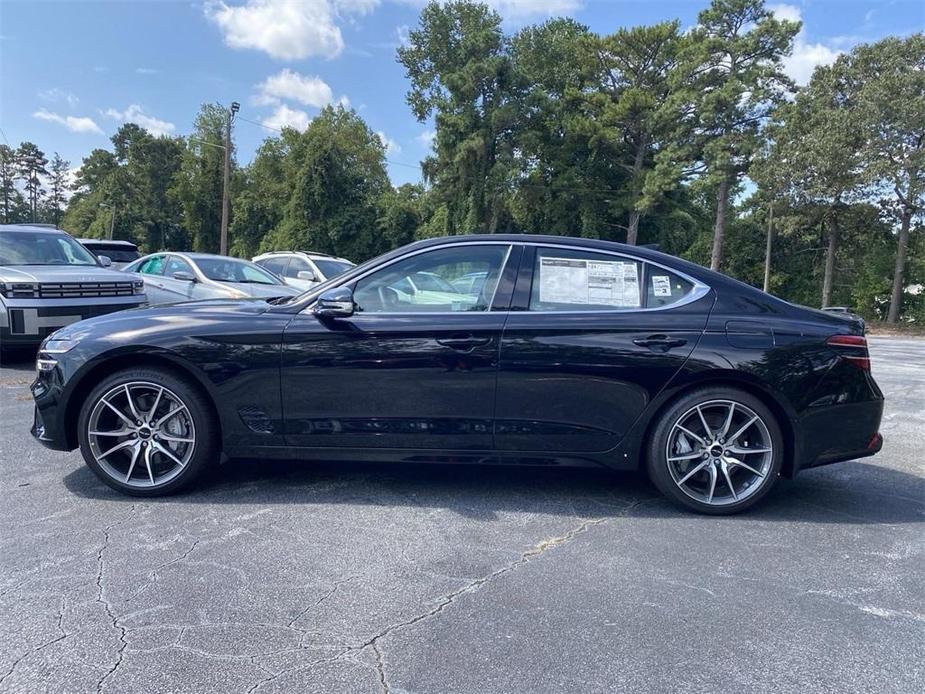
pixel 147 432
pixel 716 451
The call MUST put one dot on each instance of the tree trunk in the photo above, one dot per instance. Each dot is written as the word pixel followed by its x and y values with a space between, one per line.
pixel 632 228
pixel 719 229
pixel 896 299
pixel 830 262
pixel 767 249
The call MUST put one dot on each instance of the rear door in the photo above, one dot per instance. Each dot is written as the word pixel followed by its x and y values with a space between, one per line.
pixel 152 271
pixel 591 339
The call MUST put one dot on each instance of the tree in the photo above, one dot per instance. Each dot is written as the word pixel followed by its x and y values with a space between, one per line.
pixel 59 186
pixel 264 189
pixel 637 66
pixel 31 164
pixel 197 187
pixel 11 198
pixel 890 79
pixel 730 78
pixel 400 214
pixel 337 169
pixel 818 145
pixel 460 73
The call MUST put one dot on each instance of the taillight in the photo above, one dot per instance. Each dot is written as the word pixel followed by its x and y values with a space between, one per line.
pixel 851 348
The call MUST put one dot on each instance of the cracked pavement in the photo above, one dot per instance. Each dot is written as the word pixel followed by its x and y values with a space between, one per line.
pixel 322 577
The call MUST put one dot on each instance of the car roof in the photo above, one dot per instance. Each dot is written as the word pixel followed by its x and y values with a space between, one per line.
pixel 32 228
pixel 109 242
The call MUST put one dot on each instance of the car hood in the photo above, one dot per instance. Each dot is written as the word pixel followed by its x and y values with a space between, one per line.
pixel 59 273
pixel 147 319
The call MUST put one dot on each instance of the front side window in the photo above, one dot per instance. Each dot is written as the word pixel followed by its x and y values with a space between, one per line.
pixel 177 265
pixel 332 268
pixel 297 265
pixel 275 265
pixel 578 280
pixel 424 282
pixel 232 270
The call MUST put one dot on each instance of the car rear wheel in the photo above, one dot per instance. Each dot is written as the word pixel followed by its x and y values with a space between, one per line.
pixel 146 432
pixel 716 451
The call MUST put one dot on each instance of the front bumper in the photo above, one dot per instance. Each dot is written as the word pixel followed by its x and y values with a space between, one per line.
pixel 26 322
pixel 48 421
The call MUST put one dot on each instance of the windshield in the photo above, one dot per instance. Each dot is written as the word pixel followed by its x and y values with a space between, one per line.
pixel 231 270
pixel 332 268
pixel 42 248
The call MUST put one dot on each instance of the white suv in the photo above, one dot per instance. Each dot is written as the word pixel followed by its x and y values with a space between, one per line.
pixel 303 270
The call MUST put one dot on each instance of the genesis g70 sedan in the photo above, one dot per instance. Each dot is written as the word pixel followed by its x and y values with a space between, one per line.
pixel 567 351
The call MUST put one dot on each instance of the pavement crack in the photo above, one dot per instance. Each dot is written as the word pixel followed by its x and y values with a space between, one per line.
pixel 104 601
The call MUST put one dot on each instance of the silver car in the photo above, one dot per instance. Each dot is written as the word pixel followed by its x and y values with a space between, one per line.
pixel 48 280
pixel 171 277
pixel 302 269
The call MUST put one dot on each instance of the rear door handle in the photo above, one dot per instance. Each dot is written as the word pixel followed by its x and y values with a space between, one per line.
pixel 659 343
pixel 463 342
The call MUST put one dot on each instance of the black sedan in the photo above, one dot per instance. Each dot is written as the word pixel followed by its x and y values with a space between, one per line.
pixel 564 352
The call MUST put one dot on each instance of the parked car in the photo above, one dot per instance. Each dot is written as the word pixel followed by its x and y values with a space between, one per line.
pixel 48 280
pixel 576 352
pixel 303 270
pixel 470 283
pixel 172 277
pixel 120 253
pixel 850 312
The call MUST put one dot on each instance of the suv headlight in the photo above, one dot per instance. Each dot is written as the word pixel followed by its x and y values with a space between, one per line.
pixel 139 286
pixel 19 290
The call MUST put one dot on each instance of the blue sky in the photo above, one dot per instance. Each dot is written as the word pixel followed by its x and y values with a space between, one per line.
pixel 72 72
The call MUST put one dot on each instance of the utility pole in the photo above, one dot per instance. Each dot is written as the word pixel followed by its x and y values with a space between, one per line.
pixel 226 181
pixel 767 250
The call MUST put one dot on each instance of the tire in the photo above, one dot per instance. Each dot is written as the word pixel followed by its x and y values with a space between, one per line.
pixel 690 459
pixel 165 452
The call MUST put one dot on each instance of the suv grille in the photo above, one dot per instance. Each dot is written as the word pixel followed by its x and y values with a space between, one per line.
pixel 72 290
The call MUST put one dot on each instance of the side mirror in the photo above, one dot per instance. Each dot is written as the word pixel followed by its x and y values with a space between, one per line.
pixel 336 302
pixel 105 260
pixel 185 276
pixel 306 275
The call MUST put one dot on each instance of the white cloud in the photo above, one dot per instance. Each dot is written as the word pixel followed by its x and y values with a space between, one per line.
pixel 54 94
pixel 306 89
pixel 791 13
pixel 76 124
pixel 285 117
pixel 284 29
pixel 146 71
pixel 135 114
pixel 391 146
pixel 360 7
pixel 344 101
pixel 806 56
pixel 426 138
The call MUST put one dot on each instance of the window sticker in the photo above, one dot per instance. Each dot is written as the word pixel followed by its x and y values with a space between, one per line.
pixel 600 282
pixel 661 285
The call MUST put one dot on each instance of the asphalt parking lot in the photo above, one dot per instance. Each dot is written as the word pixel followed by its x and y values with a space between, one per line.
pixel 284 577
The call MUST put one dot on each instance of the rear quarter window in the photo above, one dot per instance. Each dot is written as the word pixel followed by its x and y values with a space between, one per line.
pixel 664 287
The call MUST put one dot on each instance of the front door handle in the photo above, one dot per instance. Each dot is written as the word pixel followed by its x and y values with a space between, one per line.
pixel 659 343
pixel 463 342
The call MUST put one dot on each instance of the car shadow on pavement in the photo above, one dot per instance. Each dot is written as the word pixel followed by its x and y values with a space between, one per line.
pixel 851 493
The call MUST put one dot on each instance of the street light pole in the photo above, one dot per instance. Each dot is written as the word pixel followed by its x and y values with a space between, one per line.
pixel 226 181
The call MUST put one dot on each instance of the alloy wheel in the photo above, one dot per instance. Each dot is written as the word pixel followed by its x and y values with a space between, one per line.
pixel 141 434
pixel 719 452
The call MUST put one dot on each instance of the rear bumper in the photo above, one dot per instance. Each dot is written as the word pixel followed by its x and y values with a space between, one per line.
pixel 837 433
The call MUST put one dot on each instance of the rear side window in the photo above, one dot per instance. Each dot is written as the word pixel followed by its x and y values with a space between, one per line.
pixel 152 266
pixel 578 280
pixel 664 287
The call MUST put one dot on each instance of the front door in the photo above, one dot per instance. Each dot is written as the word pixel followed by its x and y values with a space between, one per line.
pixel 591 339
pixel 415 367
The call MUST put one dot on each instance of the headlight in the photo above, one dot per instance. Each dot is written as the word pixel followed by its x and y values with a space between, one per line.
pixel 19 290
pixel 139 286
pixel 57 346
